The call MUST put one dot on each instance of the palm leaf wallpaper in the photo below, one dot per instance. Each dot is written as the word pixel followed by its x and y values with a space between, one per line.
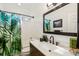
pixel 10 34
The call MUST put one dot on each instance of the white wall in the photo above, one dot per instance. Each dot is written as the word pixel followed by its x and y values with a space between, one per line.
pixel 1 6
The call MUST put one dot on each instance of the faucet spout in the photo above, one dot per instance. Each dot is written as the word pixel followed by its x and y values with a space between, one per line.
pixel 52 37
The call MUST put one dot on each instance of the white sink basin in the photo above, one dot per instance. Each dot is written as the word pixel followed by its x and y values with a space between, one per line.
pixel 56 50
pixel 50 49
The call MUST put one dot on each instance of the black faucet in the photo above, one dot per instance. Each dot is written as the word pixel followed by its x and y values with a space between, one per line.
pixel 52 38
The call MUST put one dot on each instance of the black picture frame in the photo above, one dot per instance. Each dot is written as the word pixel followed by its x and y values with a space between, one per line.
pixel 57 23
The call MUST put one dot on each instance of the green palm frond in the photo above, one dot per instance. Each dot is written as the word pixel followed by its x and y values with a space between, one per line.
pixel 10 34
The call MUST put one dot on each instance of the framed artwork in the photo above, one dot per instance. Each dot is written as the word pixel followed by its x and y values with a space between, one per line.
pixel 57 23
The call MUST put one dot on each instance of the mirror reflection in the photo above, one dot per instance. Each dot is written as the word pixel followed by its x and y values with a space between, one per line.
pixel 63 19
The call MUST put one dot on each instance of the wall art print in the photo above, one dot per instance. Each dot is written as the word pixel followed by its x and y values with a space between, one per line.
pixel 10 34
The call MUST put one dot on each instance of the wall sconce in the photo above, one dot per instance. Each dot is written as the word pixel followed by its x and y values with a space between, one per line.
pixel 51 4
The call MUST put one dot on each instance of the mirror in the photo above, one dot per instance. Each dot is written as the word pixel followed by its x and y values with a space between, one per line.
pixel 61 20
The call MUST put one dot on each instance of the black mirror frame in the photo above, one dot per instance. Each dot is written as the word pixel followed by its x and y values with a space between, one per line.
pixel 59 33
pixel 78 25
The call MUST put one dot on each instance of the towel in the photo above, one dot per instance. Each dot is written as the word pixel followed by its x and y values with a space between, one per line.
pixel 73 42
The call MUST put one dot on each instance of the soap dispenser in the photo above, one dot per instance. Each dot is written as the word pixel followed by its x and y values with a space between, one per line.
pixel 45 38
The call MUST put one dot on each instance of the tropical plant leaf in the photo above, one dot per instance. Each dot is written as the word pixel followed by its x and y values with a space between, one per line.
pixel 10 34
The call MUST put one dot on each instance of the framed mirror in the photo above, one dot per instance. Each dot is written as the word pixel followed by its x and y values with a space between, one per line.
pixel 61 20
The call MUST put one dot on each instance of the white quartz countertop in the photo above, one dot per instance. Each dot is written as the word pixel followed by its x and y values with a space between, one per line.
pixel 44 48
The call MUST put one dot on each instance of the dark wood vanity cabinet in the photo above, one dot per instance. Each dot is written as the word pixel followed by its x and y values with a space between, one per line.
pixel 34 51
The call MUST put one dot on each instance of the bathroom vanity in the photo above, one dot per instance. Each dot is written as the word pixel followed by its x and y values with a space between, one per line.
pixel 34 51
pixel 38 48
